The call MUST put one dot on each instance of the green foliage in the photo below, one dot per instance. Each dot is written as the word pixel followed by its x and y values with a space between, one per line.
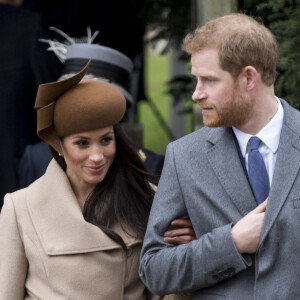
pixel 283 19
pixel 169 18
pixel 157 72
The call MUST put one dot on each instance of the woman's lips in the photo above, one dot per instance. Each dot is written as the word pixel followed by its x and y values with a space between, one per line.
pixel 95 169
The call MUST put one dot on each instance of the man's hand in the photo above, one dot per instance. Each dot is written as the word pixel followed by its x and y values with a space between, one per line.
pixel 246 232
pixel 181 235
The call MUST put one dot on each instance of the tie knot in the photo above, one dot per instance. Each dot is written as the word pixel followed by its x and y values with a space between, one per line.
pixel 254 143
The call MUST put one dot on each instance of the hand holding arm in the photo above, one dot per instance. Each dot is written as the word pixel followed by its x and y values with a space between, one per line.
pixel 182 235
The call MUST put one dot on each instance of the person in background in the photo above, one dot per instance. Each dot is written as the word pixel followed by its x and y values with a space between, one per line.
pixel 76 232
pixel 24 64
pixel 237 179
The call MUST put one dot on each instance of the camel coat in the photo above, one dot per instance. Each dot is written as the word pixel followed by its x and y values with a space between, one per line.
pixel 48 251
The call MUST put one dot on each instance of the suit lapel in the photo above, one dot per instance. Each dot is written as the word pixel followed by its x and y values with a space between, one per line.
pixel 224 159
pixel 286 169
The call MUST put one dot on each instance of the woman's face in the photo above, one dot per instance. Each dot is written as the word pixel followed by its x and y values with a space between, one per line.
pixel 89 155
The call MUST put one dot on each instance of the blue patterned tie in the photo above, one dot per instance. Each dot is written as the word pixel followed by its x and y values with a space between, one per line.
pixel 258 175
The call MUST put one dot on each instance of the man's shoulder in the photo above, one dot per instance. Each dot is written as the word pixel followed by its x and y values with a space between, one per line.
pixel 199 136
pixel 291 116
pixel 193 143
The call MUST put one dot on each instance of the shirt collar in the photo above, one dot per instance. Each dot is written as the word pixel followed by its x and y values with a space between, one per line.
pixel 270 134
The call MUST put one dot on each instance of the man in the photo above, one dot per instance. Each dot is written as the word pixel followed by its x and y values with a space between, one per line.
pixel 247 247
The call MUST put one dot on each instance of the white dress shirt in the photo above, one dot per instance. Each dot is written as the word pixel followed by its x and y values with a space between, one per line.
pixel 269 135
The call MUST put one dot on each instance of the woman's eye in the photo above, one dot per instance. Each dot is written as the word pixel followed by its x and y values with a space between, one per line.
pixel 106 140
pixel 81 143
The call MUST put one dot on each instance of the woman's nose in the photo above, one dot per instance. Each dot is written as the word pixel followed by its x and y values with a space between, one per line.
pixel 96 155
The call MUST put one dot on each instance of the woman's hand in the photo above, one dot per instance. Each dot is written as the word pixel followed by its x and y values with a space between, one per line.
pixel 182 235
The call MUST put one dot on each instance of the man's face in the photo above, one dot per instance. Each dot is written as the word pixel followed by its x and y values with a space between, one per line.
pixel 218 95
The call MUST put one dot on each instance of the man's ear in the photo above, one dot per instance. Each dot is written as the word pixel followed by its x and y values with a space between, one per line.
pixel 250 75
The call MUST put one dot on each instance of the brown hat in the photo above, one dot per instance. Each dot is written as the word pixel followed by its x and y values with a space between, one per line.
pixel 70 106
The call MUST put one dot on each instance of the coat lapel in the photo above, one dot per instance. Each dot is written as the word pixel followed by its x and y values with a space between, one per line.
pixel 58 219
pixel 224 159
pixel 286 169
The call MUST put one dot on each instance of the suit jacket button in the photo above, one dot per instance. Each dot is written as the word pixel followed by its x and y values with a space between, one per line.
pixel 229 272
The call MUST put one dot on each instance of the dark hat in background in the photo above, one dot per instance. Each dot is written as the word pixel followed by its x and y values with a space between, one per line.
pixel 107 65
pixel 71 106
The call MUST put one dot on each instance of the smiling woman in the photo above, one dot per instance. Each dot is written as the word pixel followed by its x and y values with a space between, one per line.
pixel 89 211
pixel 88 156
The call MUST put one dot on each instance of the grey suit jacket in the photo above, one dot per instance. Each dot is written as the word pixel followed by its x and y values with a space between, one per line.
pixel 203 179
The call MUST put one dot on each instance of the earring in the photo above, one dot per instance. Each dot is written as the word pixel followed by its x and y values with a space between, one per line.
pixel 59 154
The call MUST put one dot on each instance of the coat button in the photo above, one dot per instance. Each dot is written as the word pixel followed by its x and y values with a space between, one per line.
pixel 229 272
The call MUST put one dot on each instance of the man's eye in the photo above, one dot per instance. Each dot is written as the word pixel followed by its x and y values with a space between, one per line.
pixel 208 79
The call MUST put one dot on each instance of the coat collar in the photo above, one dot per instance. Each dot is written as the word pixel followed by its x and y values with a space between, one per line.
pixel 58 219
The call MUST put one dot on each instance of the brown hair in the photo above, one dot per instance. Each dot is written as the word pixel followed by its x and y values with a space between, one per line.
pixel 241 41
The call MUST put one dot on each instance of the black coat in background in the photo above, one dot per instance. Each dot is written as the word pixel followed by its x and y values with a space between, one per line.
pixel 120 24
pixel 24 64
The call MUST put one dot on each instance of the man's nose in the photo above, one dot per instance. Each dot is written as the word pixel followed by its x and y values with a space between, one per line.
pixel 199 93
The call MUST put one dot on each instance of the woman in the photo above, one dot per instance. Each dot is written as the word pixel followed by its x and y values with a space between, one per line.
pixel 76 232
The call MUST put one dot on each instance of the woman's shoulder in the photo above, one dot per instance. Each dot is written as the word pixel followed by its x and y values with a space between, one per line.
pixel 18 197
pixel 34 189
pixel 15 205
